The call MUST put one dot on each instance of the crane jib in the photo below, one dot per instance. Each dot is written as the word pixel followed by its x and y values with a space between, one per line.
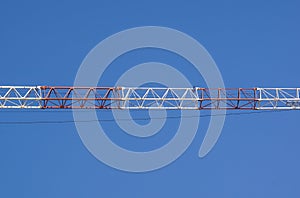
pixel 194 98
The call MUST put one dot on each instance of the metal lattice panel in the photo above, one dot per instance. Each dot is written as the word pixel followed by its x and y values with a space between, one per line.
pixel 278 98
pixel 20 97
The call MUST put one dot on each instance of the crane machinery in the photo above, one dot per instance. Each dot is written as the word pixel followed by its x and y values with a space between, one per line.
pixel 194 98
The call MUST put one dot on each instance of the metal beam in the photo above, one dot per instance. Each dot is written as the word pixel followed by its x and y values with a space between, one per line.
pixel 196 98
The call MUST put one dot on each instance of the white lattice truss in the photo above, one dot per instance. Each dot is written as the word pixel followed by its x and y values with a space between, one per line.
pixel 196 98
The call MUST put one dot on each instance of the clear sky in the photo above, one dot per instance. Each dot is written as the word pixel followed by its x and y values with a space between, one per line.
pixel 254 43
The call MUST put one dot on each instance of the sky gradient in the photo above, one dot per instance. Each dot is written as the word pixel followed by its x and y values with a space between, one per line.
pixel 254 44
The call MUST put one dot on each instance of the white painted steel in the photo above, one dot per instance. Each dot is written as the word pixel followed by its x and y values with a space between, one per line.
pixel 15 97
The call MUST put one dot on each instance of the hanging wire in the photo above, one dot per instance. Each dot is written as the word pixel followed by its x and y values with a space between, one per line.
pixel 127 119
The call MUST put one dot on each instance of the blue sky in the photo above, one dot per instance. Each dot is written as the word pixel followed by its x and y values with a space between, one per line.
pixel 253 43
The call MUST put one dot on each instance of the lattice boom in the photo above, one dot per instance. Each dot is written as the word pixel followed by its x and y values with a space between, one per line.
pixel 196 98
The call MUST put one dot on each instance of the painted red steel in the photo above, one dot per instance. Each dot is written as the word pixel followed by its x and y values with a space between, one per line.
pixel 111 97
